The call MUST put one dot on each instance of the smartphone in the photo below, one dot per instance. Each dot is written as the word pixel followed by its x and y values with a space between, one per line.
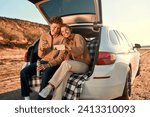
pixel 59 47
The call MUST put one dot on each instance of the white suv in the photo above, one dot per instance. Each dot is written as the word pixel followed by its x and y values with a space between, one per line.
pixel 115 62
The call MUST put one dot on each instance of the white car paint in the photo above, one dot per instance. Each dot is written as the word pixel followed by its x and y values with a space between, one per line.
pixel 110 88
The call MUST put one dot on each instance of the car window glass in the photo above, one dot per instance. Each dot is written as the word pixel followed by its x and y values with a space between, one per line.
pixel 127 41
pixel 119 37
pixel 123 41
pixel 66 7
pixel 113 37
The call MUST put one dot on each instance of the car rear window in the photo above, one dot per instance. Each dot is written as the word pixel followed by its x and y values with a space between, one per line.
pixel 67 7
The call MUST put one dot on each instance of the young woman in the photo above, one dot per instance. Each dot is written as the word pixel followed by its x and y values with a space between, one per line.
pixel 77 62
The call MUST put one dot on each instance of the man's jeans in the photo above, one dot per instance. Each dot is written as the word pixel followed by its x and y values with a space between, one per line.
pixel 27 73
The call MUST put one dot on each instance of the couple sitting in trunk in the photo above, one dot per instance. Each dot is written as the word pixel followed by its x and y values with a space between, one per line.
pixel 57 64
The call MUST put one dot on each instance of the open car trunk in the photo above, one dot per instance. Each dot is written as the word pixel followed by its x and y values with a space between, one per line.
pixel 85 18
pixel 75 83
pixel 91 36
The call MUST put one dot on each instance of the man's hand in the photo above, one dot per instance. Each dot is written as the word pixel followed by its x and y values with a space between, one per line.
pixel 42 67
pixel 45 44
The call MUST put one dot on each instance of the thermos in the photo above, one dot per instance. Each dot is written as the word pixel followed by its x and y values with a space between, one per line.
pixel 38 72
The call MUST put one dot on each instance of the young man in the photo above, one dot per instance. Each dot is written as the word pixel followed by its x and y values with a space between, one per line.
pixel 50 58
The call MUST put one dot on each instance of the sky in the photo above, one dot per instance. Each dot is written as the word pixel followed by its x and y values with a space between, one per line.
pixel 132 17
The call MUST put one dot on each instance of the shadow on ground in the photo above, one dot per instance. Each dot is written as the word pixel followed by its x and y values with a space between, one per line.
pixel 16 95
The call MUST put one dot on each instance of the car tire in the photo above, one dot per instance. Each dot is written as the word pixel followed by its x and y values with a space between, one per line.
pixel 139 69
pixel 127 87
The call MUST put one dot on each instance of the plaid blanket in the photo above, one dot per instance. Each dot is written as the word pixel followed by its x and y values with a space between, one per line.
pixel 75 82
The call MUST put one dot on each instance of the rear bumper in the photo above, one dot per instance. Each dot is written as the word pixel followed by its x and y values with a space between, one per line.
pixel 102 93
pixel 109 88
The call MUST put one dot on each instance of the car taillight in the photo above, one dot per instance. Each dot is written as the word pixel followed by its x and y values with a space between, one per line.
pixel 106 58
pixel 25 57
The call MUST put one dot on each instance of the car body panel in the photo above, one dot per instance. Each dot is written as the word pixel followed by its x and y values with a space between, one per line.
pixel 109 88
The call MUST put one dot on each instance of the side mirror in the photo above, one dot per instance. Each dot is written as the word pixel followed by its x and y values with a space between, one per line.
pixel 137 46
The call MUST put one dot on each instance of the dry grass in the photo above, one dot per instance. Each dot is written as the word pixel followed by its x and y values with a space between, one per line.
pixel 19 33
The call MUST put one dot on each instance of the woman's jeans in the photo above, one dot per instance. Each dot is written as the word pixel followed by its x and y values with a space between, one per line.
pixel 27 73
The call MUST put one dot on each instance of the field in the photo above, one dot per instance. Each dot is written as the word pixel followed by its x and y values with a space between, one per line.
pixel 141 85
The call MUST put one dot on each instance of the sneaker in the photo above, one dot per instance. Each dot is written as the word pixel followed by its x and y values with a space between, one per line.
pixel 45 92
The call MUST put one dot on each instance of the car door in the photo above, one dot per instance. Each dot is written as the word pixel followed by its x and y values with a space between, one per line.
pixel 135 61
pixel 71 11
pixel 134 56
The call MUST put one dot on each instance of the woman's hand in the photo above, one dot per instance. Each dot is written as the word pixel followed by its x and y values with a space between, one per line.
pixel 67 47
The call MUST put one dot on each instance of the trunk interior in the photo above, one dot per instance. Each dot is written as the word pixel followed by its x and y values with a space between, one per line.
pixel 92 38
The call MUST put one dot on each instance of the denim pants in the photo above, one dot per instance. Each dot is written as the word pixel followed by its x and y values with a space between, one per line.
pixel 27 73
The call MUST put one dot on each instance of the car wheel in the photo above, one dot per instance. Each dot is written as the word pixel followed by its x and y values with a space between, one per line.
pixel 127 87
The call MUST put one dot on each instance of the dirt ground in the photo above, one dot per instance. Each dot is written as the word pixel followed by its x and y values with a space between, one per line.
pixel 141 85
pixel 11 61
